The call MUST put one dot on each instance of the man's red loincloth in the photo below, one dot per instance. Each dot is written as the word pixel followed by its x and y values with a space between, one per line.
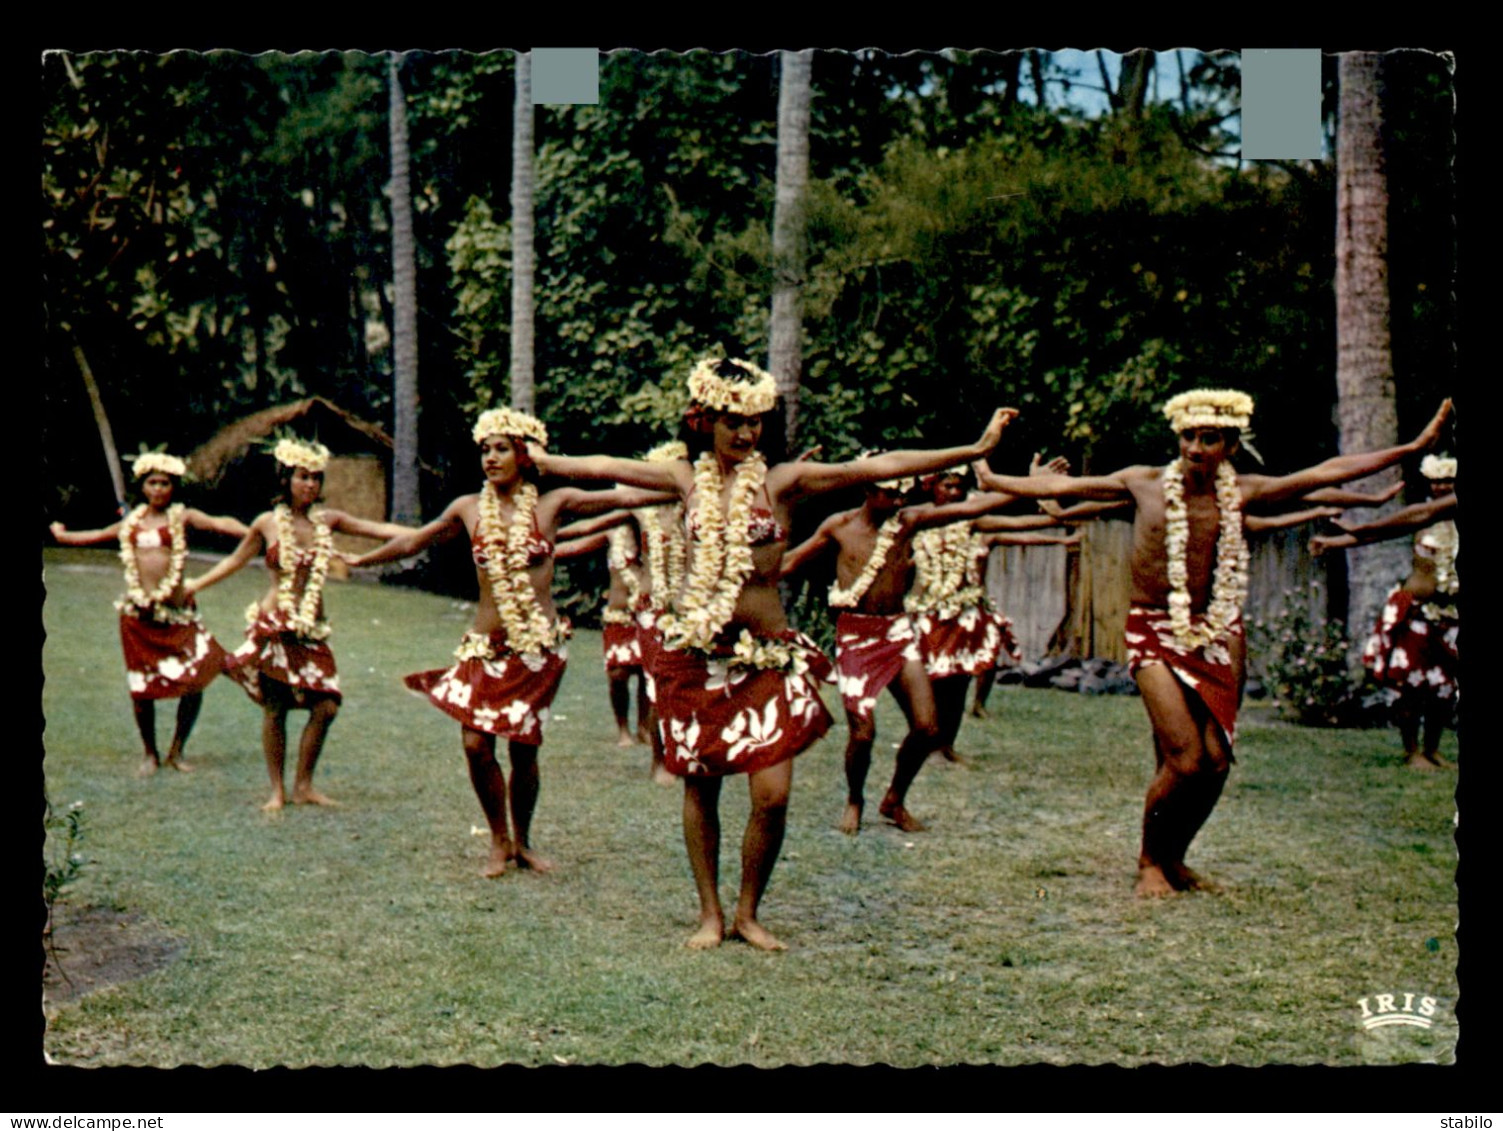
pixel 870 651
pixel 1206 672
pixel 715 719
pixel 963 645
pixel 1411 652
pixel 169 658
pixel 504 693
pixel 274 651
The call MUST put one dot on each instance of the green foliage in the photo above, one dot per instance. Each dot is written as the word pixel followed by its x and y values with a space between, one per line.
pixel 1305 662
pixel 63 863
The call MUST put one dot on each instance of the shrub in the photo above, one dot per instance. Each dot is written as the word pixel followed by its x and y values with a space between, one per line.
pixel 1304 665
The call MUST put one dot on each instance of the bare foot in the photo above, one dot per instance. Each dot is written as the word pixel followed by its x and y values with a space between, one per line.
pixel 1418 762
pixel 1152 883
pixel 147 767
pixel 1434 758
pixel 644 736
pixel 955 756
pixel 307 795
pixel 709 935
pixel 179 765
pixel 499 860
pixel 623 738
pixel 1185 879
pixel 750 931
pixel 661 775
pixel 899 815
pixel 527 858
pixel 850 820
pixel 978 711
pixel 278 799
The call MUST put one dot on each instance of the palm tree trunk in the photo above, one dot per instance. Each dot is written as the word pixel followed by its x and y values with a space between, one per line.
pixel 789 244
pixel 1366 405
pixel 102 422
pixel 523 259
pixel 406 502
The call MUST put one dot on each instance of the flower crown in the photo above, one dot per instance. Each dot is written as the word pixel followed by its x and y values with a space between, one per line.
pixel 1438 467
pixel 510 422
pixel 901 486
pixel 667 452
pixel 145 463
pixel 710 389
pixel 1209 408
pixel 310 455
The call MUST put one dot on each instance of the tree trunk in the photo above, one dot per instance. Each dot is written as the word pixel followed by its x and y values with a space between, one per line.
pixel 1132 87
pixel 789 244
pixel 406 502
pixel 102 421
pixel 1366 405
pixel 523 394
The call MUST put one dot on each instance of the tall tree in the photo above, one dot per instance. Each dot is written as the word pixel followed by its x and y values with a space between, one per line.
pixel 789 230
pixel 1366 405
pixel 523 259
pixel 406 503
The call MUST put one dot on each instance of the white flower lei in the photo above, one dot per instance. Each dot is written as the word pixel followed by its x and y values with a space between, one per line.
pixel 527 628
pixel 850 598
pixel 617 560
pixel 302 615
pixel 942 557
pixel 1229 585
pixel 667 551
pixel 135 597
pixel 722 556
pixel 770 653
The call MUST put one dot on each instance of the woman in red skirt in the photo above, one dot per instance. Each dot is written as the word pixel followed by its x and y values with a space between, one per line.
pixel 168 652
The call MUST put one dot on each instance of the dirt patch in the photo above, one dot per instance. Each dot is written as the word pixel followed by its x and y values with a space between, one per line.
pixel 95 947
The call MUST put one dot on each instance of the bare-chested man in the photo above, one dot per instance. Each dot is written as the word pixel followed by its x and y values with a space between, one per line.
pixel 1184 631
pixel 876 644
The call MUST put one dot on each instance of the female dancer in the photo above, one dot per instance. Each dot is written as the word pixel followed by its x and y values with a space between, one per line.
pixel 1412 651
pixel 732 682
pixel 168 652
pixel 510 663
pixel 285 662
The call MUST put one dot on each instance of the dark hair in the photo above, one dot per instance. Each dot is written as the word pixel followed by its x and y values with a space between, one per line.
pixel 284 485
pixel 135 496
pixel 526 468
pixel 697 429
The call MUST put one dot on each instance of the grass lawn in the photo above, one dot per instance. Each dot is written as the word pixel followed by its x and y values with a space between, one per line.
pixel 1006 935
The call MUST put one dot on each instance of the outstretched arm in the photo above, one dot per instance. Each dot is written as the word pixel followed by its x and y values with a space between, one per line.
pixel 806 551
pixel 1339 469
pixel 1032 539
pixel 1049 485
pixel 409 541
pixel 66 537
pixel 1407 520
pixel 216 524
pixel 580 547
pixel 251 545
pixel 1346 497
pixel 1261 522
pixel 806 477
pixel 364 527
pixel 673 475
pixel 1003 523
pixel 586 527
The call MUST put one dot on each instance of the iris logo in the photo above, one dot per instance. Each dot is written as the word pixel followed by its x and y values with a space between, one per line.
pixel 1380 1010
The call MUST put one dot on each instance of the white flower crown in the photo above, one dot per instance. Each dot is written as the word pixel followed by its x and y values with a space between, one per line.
pixel 311 456
pixel 1209 408
pixel 1438 467
pixel 708 388
pixel 144 463
pixel 510 422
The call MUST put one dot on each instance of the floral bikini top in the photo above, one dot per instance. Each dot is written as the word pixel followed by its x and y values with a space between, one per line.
pixel 763 530
pixel 301 556
pixel 152 538
pixel 538 548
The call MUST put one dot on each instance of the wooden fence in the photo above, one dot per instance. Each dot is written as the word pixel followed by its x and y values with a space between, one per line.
pixel 1074 599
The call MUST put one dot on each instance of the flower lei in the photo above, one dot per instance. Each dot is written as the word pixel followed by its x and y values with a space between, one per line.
pixel 1443 539
pixel 527 628
pixel 137 598
pixel 942 560
pixel 849 598
pixel 616 558
pixel 1229 584
pixel 723 556
pixel 302 615
pixel 667 551
pixel 768 653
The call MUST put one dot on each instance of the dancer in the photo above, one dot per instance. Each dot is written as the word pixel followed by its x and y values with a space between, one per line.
pixel 508 666
pixel 168 652
pixel 876 646
pixel 1189 579
pixel 286 663
pixel 1412 652
pixel 734 687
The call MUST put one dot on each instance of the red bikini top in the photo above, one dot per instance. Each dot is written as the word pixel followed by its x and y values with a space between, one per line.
pixel 763 530
pixel 538 547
